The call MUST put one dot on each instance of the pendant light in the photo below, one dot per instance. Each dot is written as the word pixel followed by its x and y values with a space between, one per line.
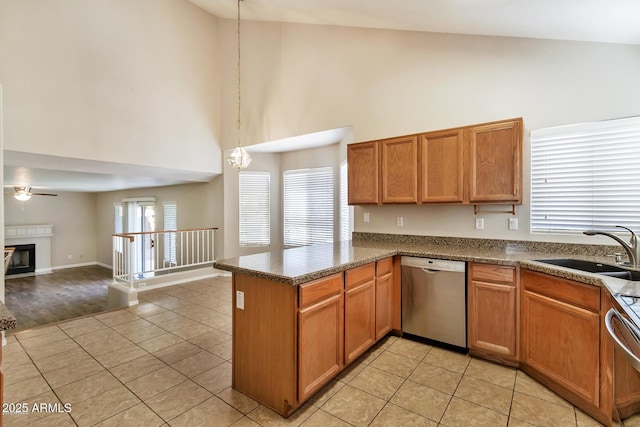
pixel 239 158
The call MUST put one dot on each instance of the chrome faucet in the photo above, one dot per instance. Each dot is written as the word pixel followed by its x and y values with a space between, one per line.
pixel 632 248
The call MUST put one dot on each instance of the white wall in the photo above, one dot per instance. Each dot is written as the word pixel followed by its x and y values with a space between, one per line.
pixel 263 163
pixel 1 182
pixel 124 81
pixel 276 164
pixel 73 216
pixel 299 79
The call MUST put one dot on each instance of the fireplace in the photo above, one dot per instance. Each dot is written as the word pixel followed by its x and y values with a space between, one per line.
pixel 23 259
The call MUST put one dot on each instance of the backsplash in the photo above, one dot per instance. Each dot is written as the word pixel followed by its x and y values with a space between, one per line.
pixel 509 246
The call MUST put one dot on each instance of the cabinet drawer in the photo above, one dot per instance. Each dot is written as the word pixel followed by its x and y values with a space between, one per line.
pixel 312 292
pixel 384 267
pixel 359 275
pixel 579 294
pixel 493 273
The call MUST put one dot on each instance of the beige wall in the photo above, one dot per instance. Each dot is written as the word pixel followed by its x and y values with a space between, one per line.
pixel 83 222
pixel 306 78
pixel 196 208
pixel 74 220
pixel 124 81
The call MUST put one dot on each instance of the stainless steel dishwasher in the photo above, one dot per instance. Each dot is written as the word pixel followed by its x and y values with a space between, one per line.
pixel 434 302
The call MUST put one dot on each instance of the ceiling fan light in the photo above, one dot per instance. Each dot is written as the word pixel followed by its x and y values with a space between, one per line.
pixel 22 196
pixel 239 158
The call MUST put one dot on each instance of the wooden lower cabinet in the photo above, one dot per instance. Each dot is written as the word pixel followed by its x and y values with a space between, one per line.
pixel 359 311
pixel 384 297
pixel 492 312
pixel 320 344
pixel 289 341
pixel 561 338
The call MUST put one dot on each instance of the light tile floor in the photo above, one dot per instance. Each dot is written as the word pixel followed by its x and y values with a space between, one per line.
pixel 167 362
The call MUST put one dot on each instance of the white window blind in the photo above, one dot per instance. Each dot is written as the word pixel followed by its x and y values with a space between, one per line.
pixel 345 209
pixel 170 223
pixel 308 206
pixel 255 208
pixel 586 176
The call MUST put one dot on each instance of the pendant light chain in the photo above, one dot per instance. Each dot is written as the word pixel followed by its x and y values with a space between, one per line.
pixel 239 123
pixel 239 158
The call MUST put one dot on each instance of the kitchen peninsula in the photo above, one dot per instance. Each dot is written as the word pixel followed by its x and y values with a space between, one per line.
pixel 302 315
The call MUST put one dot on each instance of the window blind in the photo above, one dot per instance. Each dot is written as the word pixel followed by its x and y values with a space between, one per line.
pixel 255 208
pixel 170 223
pixel 586 176
pixel 345 209
pixel 308 206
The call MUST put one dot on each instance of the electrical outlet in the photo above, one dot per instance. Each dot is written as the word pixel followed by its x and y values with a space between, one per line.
pixel 69 256
pixel 240 300
pixel 400 221
pixel 513 223
pixel 366 217
pixel 479 223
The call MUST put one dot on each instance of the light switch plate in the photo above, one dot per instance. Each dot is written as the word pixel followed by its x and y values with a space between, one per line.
pixel 513 223
pixel 366 217
pixel 240 300
pixel 479 223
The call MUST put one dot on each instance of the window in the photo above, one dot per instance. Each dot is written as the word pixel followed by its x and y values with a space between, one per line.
pixel 308 206
pixel 118 226
pixel 586 176
pixel 170 223
pixel 255 208
pixel 345 209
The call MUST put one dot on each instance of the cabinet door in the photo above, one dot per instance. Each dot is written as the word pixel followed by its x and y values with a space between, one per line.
pixel 492 318
pixel 495 162
pixel 359 320
pixel 441 166
pixel 400 170
pixel 320 344
pixel 384 299
pixel 363 166
pixel 561 341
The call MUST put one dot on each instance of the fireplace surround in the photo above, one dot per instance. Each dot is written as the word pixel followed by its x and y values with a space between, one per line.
pixel 23 259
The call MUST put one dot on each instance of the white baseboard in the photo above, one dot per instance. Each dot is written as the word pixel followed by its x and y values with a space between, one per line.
pixel 83 264
pixel 178 278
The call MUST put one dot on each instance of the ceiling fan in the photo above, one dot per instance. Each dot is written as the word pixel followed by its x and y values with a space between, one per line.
pixel 24 193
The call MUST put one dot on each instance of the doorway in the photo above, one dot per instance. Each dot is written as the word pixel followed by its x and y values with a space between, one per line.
pixel 141 218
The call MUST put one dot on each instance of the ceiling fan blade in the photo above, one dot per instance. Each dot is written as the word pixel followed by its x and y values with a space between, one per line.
pixel 43 194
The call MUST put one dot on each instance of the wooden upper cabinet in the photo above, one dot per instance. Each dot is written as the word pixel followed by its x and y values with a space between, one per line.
pixel 441 166
pixel 363 173
pixel 495 162
pixel 399 169
pixel 471 165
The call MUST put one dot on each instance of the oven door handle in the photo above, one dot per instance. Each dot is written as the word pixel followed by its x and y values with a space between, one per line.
pixel 630 328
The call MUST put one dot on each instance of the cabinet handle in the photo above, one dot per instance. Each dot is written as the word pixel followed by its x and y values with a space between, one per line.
pixel 630 333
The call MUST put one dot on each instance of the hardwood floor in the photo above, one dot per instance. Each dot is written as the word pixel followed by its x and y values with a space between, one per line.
pixel 61 295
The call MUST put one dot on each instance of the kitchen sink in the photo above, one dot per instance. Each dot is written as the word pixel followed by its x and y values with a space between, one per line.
pixel 594 267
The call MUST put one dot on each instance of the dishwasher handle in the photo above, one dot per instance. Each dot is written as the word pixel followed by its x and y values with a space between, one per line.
pixel 629 330
pixel 430 270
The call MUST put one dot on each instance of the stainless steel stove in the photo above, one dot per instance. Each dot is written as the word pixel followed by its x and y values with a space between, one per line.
pixel 631 304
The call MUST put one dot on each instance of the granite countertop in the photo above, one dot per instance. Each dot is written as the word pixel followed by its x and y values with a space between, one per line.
pixel 299 265
pixel 7 320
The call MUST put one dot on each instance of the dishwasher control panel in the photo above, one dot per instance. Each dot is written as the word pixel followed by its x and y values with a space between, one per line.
pixel 433 264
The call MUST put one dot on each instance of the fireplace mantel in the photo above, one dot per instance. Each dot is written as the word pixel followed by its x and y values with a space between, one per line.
pixel 19 231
